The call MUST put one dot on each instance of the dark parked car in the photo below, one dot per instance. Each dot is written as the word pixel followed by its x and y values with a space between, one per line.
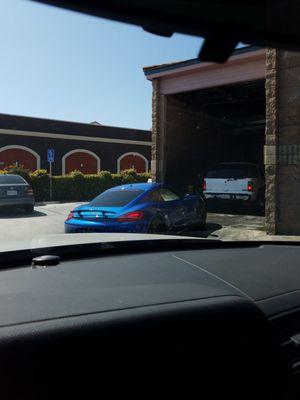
pixel 15 192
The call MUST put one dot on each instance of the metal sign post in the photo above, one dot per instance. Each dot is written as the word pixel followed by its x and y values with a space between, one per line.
pixel 50 158
pixel 50 180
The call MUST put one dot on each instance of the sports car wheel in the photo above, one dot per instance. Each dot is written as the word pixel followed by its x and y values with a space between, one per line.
pixel 157 226
pixel 201 217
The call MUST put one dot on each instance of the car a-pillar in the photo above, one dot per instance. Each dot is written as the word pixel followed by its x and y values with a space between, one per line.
pixel 282 150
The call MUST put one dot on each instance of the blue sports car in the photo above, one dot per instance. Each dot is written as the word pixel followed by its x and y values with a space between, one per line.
pixel 138 208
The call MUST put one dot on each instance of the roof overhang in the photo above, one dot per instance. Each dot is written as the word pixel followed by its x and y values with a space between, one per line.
pixel 183 77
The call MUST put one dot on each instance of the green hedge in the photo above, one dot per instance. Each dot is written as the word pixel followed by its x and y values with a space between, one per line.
pixel 75 186
pixel 79 187
pixel 12 169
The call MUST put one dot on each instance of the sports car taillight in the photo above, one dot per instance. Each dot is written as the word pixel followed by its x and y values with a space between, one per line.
pixel 131 216
pixel 204 185
pixel 70 216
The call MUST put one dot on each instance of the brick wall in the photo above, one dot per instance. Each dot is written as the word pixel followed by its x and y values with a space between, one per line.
pixel 107 152
pixel 30 132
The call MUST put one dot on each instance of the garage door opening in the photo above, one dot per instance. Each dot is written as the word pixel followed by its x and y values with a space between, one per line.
pixel 208 126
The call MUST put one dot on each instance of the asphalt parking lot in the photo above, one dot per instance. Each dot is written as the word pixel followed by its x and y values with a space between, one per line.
pixel 226 224
pixel 45 219
pixel 233 222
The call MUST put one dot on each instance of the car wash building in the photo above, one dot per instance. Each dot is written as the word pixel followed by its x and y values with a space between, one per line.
pixel 246 110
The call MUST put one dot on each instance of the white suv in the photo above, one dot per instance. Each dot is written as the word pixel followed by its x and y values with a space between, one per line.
pixel 235 181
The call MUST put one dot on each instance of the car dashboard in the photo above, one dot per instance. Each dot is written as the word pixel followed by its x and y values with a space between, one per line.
pixel 217 322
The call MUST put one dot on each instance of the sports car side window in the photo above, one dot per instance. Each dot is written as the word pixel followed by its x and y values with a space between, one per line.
pixel 168 195
pixel 161 195
pixel 155 196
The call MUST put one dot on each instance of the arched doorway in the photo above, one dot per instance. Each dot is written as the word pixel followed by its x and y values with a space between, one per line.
pixel 80 160
pixel 19 156
pixel 133 160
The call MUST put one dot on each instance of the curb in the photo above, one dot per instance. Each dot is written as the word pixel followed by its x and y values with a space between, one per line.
pixel 46 203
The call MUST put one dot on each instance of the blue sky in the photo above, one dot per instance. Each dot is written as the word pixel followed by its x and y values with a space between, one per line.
pixel 63 65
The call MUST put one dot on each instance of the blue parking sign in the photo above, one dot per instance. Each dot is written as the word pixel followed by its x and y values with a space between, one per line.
pixel 50 155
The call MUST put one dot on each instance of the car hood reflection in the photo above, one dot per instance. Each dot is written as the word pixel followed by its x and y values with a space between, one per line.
pixel 82 238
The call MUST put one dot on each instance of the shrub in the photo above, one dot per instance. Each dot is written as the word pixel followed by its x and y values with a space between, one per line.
pixel 18 170
pixel 39 173
pixel 129 176
pixel 40 182
pixel 106 180
pixel 79 187
pixel 116 179
pixel 76 175
pixel 66 188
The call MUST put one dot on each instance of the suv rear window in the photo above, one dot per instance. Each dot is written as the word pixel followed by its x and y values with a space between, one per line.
pixel 115 198
pixel 232 171
pixel 11 179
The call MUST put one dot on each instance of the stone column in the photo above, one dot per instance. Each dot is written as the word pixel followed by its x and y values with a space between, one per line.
pixel 271 139
pixel 282 151
pixel 159 103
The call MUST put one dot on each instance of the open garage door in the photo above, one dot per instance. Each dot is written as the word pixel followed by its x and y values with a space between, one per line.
pixel 208 126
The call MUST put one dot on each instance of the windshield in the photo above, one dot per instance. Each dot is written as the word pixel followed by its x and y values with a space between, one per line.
pixel 95 112
pixel 115 198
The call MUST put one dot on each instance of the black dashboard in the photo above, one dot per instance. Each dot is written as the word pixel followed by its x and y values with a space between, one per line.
pixel 217 322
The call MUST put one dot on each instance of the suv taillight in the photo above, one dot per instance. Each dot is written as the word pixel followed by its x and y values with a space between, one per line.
pixel 204 185
pixel 29 191
pixel 250 186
